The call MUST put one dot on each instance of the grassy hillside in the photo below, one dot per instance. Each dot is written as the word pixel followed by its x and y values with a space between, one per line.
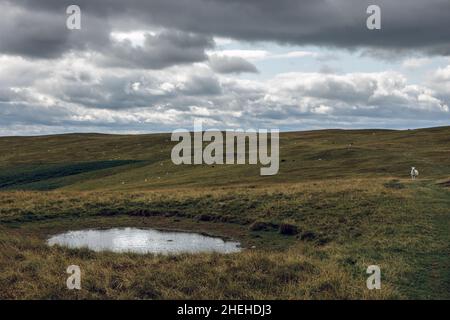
pixel 93 161
pixel 348 193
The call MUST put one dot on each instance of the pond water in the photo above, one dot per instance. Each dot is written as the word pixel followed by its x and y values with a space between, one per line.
pixel 143 241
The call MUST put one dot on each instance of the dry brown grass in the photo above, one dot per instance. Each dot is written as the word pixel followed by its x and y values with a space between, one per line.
pixel 354 223
pixel 31 270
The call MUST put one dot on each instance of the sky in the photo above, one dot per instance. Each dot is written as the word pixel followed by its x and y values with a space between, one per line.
pixel 157 65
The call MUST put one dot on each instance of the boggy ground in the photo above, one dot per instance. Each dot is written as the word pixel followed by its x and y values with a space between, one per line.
pixel 343 227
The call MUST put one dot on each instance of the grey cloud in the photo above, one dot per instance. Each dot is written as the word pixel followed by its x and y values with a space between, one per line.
pixel 326 69
pixel 29 34
pixel 22 107
pixel 226 65
pixel 159 51
pixel 201 85
pixel 40 32
pixel 440 81
pixel 43 34
pixel 406 25
pixel 117 89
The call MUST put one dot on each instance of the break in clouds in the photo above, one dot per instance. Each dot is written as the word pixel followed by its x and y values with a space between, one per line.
pixel 146 66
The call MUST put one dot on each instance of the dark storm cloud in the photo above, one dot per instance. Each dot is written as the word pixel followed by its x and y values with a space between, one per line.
pixel 159 51
pixel 103 77
pixel 42 34
pixel 412 24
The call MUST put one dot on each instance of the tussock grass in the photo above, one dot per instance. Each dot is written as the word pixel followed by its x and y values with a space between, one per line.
pixel 31 270
pixel 344 226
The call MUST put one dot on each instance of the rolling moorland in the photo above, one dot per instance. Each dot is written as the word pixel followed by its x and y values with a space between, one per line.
pixel 342 200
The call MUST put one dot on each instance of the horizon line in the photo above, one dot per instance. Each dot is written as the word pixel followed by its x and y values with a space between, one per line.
pixel 191 131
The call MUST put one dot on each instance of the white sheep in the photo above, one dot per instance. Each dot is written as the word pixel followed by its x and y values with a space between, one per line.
pixel 414 173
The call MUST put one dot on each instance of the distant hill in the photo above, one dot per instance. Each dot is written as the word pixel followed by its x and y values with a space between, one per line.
pixel 139 162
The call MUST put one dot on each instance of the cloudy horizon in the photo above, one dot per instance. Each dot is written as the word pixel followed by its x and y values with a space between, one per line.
pixel 155 66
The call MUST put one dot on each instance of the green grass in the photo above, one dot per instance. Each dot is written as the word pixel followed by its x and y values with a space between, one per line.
pixel 305 156
pixel 54 176
pixel 354 205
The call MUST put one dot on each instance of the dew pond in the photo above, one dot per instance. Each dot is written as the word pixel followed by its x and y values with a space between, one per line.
pixel 143 241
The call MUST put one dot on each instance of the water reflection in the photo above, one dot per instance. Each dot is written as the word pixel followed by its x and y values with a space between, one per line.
pixel 143 241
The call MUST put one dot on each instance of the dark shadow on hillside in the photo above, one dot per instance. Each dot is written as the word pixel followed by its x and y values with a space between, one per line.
pixel 52 176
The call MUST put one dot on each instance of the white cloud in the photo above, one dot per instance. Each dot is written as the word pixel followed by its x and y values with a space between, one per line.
pixel 296 54
pixel 72 93
pixel 440 81
pixel 136 37
pixel 442 74
pixel 414 63
pixel 220 41
pixel 244 54
pixel 257 55
pixel 385 91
